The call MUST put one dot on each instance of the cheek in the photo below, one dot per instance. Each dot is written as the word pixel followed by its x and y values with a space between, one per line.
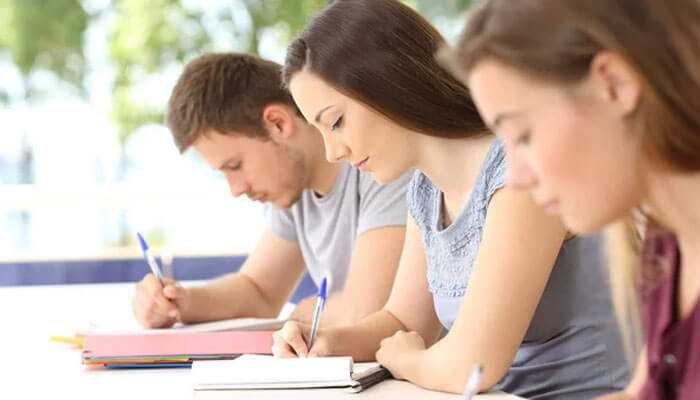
pixel 587 172
pixel 360 136
pixel 366 133
pixel 554 161
pixel 560 153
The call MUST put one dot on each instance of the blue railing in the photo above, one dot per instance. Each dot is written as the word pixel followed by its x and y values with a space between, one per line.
pixel 124 270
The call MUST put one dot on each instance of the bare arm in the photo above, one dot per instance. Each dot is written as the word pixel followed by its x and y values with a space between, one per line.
pixel 410 306
pixel 372 271
pixel 516 255
pixel 260 289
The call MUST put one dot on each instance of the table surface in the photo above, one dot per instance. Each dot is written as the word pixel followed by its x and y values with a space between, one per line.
pixel 32 367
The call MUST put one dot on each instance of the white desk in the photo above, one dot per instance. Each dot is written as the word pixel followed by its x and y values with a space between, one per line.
pixel 33 368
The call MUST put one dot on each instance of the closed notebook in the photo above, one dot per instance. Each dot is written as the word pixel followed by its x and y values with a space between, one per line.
pixel 266 372
pixel 168 348
pixel 235 324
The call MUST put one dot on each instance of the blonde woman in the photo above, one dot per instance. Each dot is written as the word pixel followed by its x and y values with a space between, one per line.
pixel 599 110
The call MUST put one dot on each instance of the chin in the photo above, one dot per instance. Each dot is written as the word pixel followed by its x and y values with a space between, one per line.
pixel 583 224
pixel 287 202
pixel 386 177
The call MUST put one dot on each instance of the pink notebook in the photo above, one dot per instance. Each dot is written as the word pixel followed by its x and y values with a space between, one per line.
pixel 185 344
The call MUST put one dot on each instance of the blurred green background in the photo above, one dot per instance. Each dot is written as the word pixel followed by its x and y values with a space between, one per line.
pixel 82 95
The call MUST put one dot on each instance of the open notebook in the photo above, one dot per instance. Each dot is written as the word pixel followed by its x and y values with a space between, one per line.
pixel 266 372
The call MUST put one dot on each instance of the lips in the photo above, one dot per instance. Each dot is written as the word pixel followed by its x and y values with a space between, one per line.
pixel 550 206
pixel 362 164
pixel 258 197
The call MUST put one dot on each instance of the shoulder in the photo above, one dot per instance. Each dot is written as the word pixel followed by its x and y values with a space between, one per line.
pixel 493 172
pixel 420 195
pixel 495 163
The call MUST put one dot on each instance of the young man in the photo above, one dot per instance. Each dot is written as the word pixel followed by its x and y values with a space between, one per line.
pixel 328 219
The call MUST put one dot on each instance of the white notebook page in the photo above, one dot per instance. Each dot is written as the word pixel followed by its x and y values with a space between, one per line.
pixel 267 371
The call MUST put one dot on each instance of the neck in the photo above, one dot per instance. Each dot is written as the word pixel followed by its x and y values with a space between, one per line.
pixel 450 163
pixel 673 200
pixel 322 173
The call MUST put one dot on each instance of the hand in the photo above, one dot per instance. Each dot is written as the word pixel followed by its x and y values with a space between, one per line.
pixel 304 310
pixel 157 306
pixel 292 339
pixel 394 351
pixel 616 396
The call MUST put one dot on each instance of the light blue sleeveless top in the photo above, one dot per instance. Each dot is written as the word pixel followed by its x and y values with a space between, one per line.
pixel 573 348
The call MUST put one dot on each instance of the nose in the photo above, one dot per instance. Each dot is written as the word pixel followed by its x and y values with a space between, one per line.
pixel 336 150
pixel 237 186
pixel 519 174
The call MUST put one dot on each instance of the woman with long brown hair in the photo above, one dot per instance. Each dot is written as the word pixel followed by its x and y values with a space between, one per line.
pixel 598 104
pixel 515 292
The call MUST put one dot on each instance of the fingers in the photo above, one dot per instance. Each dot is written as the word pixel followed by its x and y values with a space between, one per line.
pixel 173 291
pixel 151 307
pixel 149 315
pixel 321 346
pixel 177 295
pixel 289 341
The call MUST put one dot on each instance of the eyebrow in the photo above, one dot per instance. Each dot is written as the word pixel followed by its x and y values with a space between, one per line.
pixel 318 115
pixel 503 117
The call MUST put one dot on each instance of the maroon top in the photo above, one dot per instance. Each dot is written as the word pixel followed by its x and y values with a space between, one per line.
pixel 673 351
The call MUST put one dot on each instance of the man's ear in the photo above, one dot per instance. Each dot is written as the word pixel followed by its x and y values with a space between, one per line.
pixel 616 82
pixel 279 122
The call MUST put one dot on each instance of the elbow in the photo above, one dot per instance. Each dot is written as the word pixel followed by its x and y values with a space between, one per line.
pixel 264 306
pixel 490 380
pixel 491 374
pixel 268 311
pixel 458 386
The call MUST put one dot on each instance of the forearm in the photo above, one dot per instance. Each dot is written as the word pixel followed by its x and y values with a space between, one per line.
pixel 446 366
pixel 232 296
pixel 616 396
pixel 361 340
pixel 335 312
pixel 304 311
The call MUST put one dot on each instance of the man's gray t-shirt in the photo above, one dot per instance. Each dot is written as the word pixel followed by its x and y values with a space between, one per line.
pixel 327 227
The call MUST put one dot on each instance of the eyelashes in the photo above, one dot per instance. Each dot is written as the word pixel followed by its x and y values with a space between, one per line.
pixel 523 139
pixel 337 124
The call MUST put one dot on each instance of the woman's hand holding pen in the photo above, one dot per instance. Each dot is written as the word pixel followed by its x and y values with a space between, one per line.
pixel 292 339
pixel 399 352
pixel 157 305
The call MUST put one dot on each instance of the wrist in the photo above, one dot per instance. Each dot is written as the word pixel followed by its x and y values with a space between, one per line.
pixel 334 341
pixel 187 305
pixel 411 365
pixel 302 312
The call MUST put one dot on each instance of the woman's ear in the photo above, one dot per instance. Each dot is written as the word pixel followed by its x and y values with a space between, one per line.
pixel 616 82
pixel 279 122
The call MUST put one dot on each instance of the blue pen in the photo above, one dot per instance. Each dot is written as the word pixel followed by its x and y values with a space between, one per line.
pixel 320 304
pixel 150 260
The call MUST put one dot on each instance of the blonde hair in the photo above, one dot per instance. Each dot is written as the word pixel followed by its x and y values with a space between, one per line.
pixel 659 39
pixel 623 239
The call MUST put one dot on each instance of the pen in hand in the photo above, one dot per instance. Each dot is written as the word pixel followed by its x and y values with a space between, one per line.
pixel 320 304
pixel 150 260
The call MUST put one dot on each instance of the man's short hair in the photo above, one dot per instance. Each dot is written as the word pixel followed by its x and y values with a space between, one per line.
pixel 226 92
